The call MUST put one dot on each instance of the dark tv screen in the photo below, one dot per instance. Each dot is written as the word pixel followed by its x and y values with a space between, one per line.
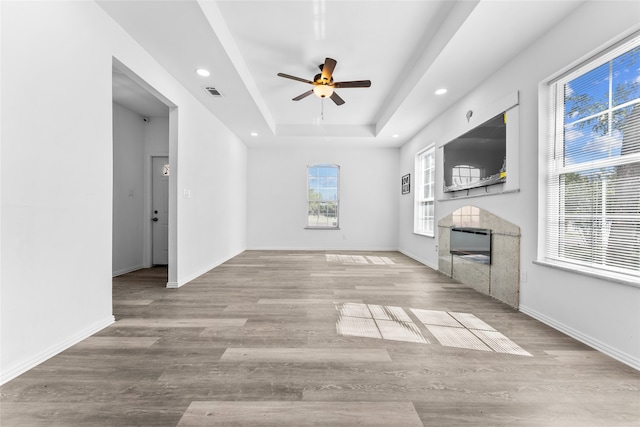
pixel 477 158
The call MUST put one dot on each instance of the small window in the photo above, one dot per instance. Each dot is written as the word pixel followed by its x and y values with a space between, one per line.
pixel 424 216
pixel 323 196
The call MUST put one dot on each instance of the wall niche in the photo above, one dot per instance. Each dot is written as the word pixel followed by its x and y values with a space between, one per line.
pixel 499 279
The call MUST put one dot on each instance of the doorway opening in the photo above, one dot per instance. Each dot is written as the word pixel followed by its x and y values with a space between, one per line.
pixel 144 136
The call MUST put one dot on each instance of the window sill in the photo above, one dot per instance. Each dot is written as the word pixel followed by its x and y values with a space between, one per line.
pixel 424 235
pixel 322 228
pixel 592 272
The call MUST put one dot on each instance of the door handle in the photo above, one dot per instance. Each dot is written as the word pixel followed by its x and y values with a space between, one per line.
pixel 154 219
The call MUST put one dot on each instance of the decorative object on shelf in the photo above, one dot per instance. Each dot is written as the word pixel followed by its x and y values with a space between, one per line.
pixel 406 184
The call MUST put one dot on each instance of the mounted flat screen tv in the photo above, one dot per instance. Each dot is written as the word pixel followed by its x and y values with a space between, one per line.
pixel 477 158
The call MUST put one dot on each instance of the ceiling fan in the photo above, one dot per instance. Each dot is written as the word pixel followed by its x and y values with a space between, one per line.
pixel 323 84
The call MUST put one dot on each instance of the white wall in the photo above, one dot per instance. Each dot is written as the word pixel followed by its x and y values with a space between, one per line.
pixel 128 190
pixel 277 197
pixel 156 136
pixel 56 177
pixel 212 168
pixel 601 313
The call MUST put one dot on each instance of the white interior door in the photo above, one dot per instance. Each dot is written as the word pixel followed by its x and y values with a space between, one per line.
pixel 160 210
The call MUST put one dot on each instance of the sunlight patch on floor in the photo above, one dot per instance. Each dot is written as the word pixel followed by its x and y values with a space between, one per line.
pixel 359 259
pixel 377 321
pixel 451 329
pixel 465 330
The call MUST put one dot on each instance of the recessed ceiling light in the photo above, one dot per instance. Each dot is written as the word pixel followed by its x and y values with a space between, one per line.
pixel 202 72
pixel 441 91
pixel 254 133
pixel 395 136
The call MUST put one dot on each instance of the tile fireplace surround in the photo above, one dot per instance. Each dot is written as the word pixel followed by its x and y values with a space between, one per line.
pixel 501 278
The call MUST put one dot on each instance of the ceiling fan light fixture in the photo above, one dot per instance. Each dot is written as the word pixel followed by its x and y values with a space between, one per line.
pixel 323 91
pixel 323 83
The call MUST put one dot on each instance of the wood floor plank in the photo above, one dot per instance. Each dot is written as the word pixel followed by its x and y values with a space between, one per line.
pixel 335 414
pixel 299 301
pixel 214 323
pixel 132 302
pixel 117 342
pixel 305 355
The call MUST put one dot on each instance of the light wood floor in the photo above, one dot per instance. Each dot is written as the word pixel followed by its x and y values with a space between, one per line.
pixel 326 339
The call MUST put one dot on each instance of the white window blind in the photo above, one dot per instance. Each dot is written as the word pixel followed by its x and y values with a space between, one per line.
pixel 424 215
pixel 593 190
pixel 322 196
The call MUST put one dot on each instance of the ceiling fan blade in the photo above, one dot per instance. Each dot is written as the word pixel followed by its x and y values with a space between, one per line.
pixel 355 83
pixel 327 69
pixel 336 98
pixel 287 76
pixel 304 95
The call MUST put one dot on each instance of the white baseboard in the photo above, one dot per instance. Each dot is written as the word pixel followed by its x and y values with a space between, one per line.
pixel 183 281
pixel 586 339
pixel 23 367
pixel 381 249
pixel 419 259
pixel 127 270
pixel 323 249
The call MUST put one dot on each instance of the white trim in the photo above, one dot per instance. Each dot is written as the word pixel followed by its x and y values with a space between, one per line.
pixel 419 186
pixel 324 248
pixel 147 230
pixel 585 339
pixel 597 273
pixel 337 223
pixel 419 259
pixel 31 363
pixel 510 105
pixel 322 228
pixel 551 156
pixel 183 281
pixel 127 270
pixel 481 192
pixel 431 236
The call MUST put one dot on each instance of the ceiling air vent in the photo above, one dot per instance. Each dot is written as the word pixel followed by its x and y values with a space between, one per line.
pixel 213 91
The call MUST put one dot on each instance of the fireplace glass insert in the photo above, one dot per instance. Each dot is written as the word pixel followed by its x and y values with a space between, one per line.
pixel 473 244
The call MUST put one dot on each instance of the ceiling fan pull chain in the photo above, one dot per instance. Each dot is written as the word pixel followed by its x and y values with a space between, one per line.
pixel 322 109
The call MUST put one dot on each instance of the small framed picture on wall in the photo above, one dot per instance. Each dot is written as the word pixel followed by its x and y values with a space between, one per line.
pixel 406 184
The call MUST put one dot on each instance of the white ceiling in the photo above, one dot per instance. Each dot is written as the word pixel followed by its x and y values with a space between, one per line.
pixel 408 49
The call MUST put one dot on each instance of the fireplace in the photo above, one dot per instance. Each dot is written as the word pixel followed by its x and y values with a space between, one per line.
pixel 481 250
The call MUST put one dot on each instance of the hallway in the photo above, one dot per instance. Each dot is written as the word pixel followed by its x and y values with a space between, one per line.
pixel 320 338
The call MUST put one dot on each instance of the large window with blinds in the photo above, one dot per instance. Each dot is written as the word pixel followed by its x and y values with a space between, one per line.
pixel 593 169
pixel 424 218
pixel 323 196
